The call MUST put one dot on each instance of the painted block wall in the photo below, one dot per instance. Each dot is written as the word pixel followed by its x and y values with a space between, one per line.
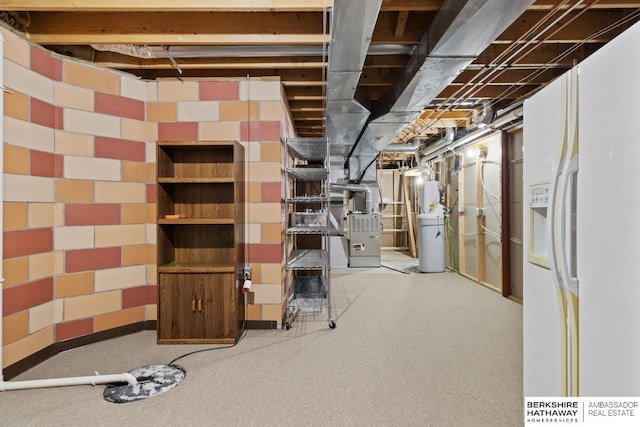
pixel 80 194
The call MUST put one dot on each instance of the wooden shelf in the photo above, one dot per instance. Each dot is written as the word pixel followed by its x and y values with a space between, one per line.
pixel 200 255
pixel 195 144
pixel 208 180
pixel 196 221
pixel 177 267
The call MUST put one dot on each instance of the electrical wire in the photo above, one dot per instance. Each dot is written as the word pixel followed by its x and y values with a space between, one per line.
pixel 484 187
pixel 491 233
pixel 516 241
pixel 452 253
pixel 518 46
pixel 449 103
pixel 172 363
pixel 540 70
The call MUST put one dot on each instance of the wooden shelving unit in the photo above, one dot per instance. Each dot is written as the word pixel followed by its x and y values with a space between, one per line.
pixel 201 254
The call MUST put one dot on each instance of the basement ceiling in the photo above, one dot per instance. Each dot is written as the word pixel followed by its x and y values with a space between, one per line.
pixel 291 39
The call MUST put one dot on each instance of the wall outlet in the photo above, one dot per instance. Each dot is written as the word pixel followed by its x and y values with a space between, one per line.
pixel 246 271
pixel 479 211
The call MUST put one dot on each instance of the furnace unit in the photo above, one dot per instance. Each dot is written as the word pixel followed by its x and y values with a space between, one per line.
pixel 364 239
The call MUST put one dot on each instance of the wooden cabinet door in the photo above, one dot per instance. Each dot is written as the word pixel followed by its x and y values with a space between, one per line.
pixel 197 308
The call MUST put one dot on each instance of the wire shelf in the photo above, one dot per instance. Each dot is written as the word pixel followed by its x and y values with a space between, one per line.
pixel 307 230
pixel 308 199
pixel 308 148
pixel 309 294
pixel 308 259
pixel 308 174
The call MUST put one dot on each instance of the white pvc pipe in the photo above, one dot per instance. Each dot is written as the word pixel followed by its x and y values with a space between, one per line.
pixel 54 382
pixel 61 382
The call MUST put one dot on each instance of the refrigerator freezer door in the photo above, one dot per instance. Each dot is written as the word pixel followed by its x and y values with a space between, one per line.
pixel 543 314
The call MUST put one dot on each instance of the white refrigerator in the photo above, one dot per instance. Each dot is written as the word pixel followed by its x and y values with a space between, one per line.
pixel 581 299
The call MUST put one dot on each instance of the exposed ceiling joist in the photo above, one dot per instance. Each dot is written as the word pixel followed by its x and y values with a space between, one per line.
pixel 179 28
pixel 602 4
pixel 166 5
pixel 290 40
pixel 122 62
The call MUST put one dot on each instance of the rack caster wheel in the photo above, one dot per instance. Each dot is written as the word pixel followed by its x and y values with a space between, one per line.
pixel 287 325
pixel 332 324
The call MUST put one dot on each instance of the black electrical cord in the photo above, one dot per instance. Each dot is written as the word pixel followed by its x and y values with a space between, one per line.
pixel 204 350
pixel 361 177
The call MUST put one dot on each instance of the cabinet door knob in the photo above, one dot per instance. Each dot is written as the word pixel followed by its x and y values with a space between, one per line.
pixel 200 305
pixel 193 305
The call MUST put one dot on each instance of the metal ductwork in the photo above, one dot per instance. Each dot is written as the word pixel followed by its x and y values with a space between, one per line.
pixel 503 121
pixel 353 22
pixel 356 188
pixel 458 34
pixel 405 148
pixel 146 52
pixel 420 143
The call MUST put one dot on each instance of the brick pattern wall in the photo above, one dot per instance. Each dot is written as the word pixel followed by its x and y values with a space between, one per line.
pixel 79 167
pixel 79 190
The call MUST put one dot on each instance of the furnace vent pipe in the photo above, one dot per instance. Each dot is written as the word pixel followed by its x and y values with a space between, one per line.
pixel 356 188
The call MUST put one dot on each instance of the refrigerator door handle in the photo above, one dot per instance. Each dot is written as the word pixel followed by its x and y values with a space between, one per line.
pixel 568 268
pixel 551 220
pixel 569 191
pixel 556 175
pixel 569 275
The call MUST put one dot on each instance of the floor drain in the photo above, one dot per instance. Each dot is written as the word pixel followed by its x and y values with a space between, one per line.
pixel 152 380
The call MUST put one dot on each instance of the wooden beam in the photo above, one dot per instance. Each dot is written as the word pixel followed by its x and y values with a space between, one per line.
pixel 304 105
pixel 401 24
pixel 304 93
pixel 307 128
pixel 319 108
pixel 307 116
pixel 301 77
pixel 411 5
pixel 531 75
pixel 480 249
pixel 581 29
pixel 166 5
pixel 304 83
pixel 123 62
pixel 446 180
pixel 462 253
pixel 602 4
pixel 545 53
pixel 180 28
pixel 455 114
pixel 413 251
pixel 386 29
pixel 490 92
pixel 505 211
